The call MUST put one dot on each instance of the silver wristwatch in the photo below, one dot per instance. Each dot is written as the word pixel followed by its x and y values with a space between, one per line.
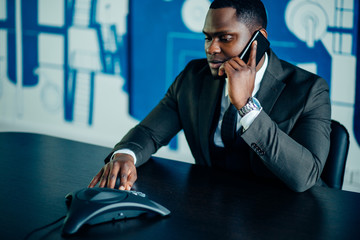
pixel 251 104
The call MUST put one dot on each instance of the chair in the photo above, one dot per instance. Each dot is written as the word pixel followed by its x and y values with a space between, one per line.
pixel 334 169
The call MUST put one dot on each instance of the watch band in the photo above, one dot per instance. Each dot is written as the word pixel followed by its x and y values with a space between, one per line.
pixel 251 104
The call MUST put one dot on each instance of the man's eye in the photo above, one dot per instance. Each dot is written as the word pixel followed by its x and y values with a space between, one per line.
pixel 207 38
pixel 226 38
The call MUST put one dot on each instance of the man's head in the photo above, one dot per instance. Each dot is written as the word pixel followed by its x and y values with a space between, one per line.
pixel 252 13
pixel 228 27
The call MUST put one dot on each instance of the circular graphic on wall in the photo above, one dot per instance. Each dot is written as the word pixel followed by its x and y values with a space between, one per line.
pixel 193 14
pixel 307 20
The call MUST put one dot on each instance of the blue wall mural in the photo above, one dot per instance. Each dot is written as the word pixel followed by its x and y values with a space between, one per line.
pixel 60 59
pixel 79 21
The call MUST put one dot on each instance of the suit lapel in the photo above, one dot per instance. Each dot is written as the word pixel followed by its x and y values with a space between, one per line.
pixel 210 92
pixel 269 92
pixel 272 84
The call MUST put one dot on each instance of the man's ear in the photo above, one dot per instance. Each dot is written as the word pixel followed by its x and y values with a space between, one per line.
pixel 264 32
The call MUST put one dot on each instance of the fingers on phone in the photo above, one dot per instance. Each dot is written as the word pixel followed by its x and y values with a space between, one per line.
pixel 103 179
pixel 107 176
pixel 96 179
pixel 127 177
pixel 131 180
pixel 252 58
pixel 113 172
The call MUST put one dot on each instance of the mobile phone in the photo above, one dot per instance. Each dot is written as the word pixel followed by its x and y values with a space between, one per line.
pixel 262 46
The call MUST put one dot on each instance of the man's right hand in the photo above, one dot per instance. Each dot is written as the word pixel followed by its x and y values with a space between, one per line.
pixel 121 165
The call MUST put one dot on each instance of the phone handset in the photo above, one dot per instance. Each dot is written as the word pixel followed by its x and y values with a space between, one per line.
pixel 262 46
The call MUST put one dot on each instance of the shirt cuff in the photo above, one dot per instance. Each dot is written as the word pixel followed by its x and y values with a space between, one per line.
pixel 249 118
pixel 126 151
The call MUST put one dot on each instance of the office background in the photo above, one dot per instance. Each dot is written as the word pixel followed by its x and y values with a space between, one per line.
pixel 89 70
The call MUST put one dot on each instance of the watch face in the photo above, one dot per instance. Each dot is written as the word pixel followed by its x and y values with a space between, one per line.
pixel 256 102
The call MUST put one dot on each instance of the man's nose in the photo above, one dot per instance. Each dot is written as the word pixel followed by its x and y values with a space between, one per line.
pixel 213 48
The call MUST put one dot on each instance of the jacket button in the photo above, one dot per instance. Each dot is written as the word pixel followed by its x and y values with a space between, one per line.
pixel 257 149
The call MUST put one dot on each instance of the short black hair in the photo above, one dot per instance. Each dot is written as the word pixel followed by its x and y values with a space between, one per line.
pixel 250 12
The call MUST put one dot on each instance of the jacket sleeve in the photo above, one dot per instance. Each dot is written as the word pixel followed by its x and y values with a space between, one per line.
pixel 296 153
pixel 157 129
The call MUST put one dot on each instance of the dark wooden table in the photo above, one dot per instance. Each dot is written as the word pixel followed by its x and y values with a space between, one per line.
pixel 37 171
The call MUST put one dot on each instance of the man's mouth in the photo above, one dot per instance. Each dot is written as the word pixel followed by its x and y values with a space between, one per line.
pixel 215 64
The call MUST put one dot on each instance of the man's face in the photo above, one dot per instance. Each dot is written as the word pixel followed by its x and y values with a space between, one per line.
pixel 225 37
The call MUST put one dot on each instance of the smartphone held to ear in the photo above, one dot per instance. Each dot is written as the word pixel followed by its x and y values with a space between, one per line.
pixel 262 46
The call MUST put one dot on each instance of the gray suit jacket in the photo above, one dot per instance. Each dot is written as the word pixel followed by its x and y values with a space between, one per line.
pixel 289 139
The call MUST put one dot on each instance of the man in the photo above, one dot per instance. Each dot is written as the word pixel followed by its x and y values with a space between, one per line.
pixel 283 124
